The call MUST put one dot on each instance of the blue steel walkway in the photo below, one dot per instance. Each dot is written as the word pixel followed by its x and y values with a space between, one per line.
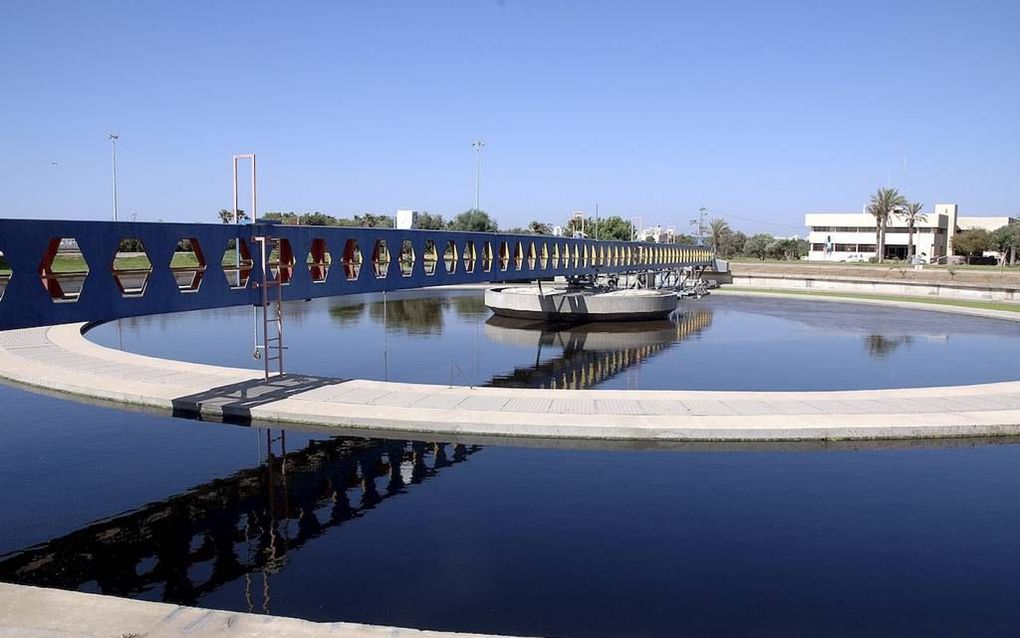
pixel 195 266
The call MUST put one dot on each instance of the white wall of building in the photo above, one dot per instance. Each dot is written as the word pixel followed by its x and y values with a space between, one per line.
pixel 855 233
pixel 407 219
pixel 987 223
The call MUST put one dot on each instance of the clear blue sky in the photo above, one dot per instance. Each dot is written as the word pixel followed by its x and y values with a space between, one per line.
pixel 755 109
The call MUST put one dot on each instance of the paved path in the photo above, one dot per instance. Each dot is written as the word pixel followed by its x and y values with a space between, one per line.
pixel 59 358
pixel 33 612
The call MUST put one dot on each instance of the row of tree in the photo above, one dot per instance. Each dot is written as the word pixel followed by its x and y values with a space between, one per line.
pixel 612 227
pixel 726 242
pixel 471 220
pixel 729 243
pixel 1004 240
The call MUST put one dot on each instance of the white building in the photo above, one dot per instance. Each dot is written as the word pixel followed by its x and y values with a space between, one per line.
pixel 837 236
pixel 407 219
pixel 658 234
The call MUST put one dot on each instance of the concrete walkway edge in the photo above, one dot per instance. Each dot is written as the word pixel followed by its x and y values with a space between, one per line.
pixel 34 612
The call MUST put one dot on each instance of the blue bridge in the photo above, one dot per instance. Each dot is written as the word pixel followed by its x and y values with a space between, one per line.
pixel 70 271
pixel 64 272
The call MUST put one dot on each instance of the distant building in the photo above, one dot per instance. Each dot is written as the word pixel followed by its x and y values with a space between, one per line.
pixel 657 233
pixel 837 236
pixel 407 219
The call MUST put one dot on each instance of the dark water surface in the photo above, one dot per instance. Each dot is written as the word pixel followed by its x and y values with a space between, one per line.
pixel 914 541
pixel 845 540
pixel 716 343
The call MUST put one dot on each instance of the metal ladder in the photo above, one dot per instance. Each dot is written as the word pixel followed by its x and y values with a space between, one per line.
pixel 271 349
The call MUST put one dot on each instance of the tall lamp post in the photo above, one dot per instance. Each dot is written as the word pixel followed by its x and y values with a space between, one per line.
pixel 113 137
pixel 700 221
pixel 478 145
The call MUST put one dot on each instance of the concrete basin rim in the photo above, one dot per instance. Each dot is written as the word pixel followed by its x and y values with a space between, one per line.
pixel 398 386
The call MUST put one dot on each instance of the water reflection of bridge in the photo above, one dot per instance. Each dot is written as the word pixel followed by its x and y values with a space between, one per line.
pixel 241 526
pixel 590 354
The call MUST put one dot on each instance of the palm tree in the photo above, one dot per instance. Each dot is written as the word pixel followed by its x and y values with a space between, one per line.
pixel 911 214
pixel 881 346
pixel 717 229
pixel 227 216
pixel 883 203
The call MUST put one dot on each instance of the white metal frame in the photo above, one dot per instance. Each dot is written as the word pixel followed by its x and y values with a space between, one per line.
pixel 271 349
pixel 254 207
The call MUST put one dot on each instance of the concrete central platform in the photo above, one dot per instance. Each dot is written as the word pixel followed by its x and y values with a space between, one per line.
pixel 60 359
pixel 579 305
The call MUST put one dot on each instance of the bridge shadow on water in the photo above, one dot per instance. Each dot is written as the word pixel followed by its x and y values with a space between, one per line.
pixel 233 534
pixel 234 402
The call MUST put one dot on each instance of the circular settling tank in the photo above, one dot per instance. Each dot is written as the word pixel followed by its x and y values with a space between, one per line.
pixel 720 342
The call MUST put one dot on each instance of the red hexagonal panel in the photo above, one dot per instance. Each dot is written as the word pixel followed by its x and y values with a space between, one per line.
pixel 188 265
pixel 131 267
pixel 63 269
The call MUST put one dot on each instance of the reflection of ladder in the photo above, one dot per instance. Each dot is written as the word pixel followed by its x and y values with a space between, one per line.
pixel 271 349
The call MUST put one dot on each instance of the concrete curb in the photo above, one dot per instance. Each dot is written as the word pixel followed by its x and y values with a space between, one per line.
pixel 34 612
pixel 963 291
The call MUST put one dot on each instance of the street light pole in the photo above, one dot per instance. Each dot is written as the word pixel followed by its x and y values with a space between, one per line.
pixel 700 221
pixel 478 145
pixel 113 137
